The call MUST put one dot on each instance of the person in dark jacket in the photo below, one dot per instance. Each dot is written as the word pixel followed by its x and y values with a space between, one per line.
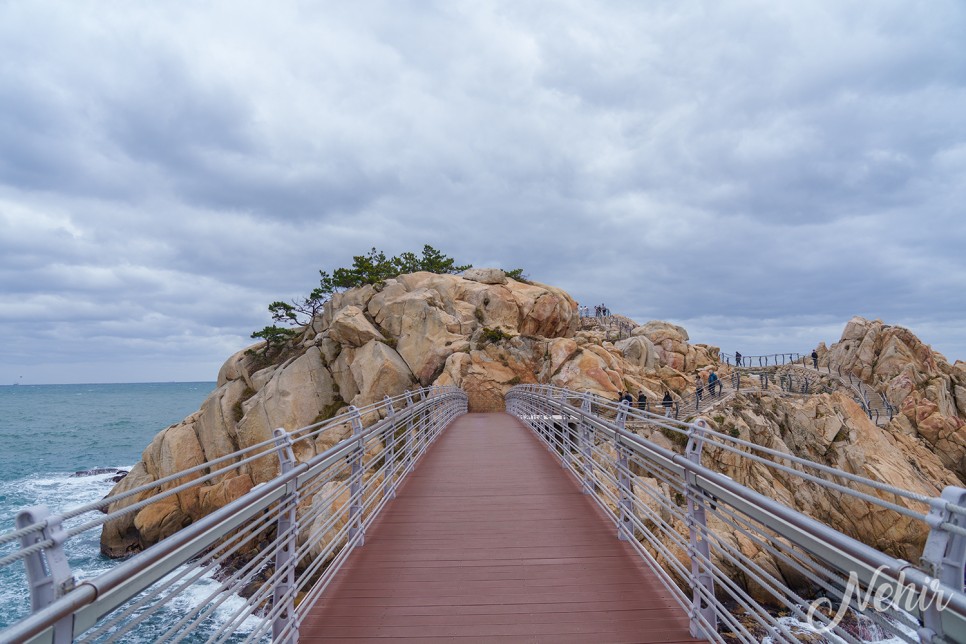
pixel 815 359
pixel 641 400
pixel 712 381
pixel 667 402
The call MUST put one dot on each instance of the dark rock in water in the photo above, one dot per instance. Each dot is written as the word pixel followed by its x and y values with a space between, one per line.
pixel 99 470
pixel 119 476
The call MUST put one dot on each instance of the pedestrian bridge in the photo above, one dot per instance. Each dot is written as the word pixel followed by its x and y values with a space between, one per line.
pixel 553 522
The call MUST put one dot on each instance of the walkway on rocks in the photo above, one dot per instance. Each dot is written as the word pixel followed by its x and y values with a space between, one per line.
pixel 769 380
pixel 490 538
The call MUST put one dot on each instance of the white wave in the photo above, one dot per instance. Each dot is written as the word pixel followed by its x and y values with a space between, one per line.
pixel 205 591
pixel 60 491
pixel 869 631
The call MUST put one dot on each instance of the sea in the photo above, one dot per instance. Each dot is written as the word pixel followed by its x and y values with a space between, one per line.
pixel 51 435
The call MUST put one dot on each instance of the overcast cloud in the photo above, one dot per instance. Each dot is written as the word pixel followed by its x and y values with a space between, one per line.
pixel 758 172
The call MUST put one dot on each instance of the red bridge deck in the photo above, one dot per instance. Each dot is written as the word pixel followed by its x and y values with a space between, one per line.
pixel 490 539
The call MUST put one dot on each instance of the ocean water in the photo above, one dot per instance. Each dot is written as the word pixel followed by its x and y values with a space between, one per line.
pixel 51 432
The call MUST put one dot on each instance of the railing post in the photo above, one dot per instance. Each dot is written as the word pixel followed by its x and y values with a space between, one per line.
pixel 391 449
pixel 585 446
pixel 625 529
pixel 284 628
pixel 356 528
pixel 565 442
pixel 409 432
pixel 48 572
pixel 702 583
pixel 943 556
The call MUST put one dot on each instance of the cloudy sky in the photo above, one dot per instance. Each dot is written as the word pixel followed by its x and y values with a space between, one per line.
pixel 758 172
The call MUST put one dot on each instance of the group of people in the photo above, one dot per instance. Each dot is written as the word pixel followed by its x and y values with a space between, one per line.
pixel 600 311
pixel 625 396
pixel 714 384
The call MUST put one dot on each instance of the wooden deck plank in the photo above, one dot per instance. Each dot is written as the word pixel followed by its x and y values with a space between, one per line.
pixel 489 538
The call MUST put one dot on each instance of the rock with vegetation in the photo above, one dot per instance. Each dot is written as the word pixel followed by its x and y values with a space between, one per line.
pixel 484 332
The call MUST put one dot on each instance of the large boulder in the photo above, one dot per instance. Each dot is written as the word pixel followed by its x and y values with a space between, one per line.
pixel 378 369
pixel 351 327
pixel 485 275
pixel 639 351
pixel 672 348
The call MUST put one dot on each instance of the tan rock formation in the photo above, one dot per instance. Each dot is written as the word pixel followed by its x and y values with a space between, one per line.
pixel 485 275
pixel 350 327
pixel 929 393
pixel 833 430
pixel 489 333
pixel 485 332
pixel 671 344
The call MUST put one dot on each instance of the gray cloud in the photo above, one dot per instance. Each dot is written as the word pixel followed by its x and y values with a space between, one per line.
pixel 757 172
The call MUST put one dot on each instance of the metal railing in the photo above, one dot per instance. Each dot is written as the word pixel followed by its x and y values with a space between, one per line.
pixel 874 403
pixel 769 360
pixel 247 571
pixel 758 372
pixel 609 323
pixel 743 565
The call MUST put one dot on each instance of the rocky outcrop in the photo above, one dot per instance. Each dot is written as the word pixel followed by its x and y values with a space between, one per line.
pixel 928 392
pixel 485 333
pixel 481 331
pixel 671 345
pixel 830 429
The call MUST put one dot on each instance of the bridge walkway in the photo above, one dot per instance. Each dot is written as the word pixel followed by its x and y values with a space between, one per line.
pixel 489 538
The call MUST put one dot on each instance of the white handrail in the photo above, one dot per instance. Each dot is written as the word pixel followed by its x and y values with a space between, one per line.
pixel 672 493
pixel 237 572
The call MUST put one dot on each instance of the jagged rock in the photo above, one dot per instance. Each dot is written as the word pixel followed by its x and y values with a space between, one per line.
pixel 927 391
pixel 98 470
pixel 834 431
pixel 367 343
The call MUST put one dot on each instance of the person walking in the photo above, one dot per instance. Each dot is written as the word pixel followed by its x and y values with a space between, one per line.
pixel 815 358
pixel 712 381
pixel 641 400
pixel 698 387
pixel 667 402
pixel 737 358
